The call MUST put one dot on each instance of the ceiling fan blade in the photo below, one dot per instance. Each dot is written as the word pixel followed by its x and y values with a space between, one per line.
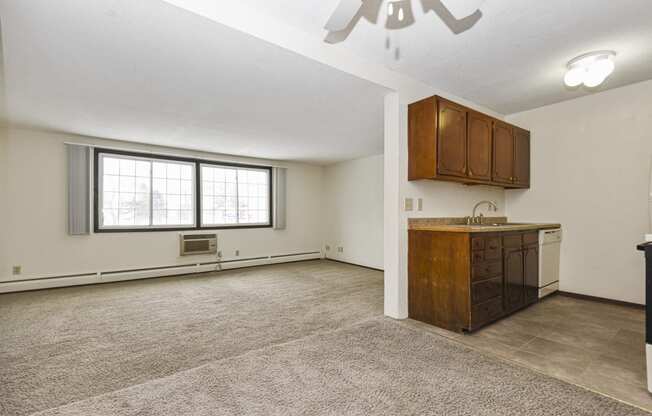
pixel 343 14
pixel 462 8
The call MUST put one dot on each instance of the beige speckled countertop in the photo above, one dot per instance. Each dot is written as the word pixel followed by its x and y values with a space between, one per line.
pixel 458 225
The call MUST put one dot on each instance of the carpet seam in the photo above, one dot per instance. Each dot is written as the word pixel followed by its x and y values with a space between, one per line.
pixel 316 334
pixel 400 322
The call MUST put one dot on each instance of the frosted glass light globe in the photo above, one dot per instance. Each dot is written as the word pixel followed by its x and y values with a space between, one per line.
pixel 575 77
pixel 604 66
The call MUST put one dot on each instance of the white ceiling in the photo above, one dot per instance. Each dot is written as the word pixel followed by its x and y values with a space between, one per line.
pixel 512 60
pixel 148 72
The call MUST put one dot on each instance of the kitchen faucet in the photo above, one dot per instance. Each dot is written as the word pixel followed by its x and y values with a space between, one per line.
pixel 475 219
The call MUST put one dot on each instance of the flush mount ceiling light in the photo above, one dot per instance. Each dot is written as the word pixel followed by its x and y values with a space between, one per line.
pixel 590 69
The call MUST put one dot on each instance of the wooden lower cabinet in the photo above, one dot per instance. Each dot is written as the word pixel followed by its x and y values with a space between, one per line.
pixel 463 281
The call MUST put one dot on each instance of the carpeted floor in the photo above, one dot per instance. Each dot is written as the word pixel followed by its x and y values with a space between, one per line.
pixel 304 338
pixel 63 345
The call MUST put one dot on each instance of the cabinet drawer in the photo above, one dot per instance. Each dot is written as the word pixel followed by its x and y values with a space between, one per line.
pixel 486 290
pixel 493 253
pixel 530 239
pixel 477 243
pixel 486 312
pixel 478 256
pixel 481 256
pixel 493 244
pixel 485 271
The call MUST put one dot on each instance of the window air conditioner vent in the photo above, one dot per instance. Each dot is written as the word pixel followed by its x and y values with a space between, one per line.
pixel 192 244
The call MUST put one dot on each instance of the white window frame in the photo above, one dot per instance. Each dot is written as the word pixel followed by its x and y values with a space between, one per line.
pixel 125 228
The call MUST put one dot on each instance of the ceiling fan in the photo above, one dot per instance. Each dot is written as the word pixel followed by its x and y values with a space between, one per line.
pixel 458 15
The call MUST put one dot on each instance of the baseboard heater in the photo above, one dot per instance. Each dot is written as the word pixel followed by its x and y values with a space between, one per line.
pixel 50 282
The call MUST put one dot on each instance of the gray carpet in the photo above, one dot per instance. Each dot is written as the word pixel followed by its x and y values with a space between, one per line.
pixel 378 367
pixel 63 345
pixel 305 338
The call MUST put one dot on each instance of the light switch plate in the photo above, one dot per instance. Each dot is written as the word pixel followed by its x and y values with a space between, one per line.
pixel 409 204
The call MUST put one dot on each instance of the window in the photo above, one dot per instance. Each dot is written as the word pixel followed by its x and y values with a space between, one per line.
pixel 139 192
pixel 234 195
pixel 142 192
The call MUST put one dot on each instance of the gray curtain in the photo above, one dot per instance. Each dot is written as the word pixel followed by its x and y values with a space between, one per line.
pixel 280 198
pixel 79 176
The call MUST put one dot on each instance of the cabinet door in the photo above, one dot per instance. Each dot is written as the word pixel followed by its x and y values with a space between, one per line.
pixel 531 268
pixel 503 153
pixel 522 157
pixel 451 139
pixel 420 269
pixel 480 146
pixel 514 279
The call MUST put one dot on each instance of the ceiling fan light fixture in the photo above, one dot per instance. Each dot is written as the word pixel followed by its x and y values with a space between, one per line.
pixel 590 69
pixel 401 15
pixel 462 8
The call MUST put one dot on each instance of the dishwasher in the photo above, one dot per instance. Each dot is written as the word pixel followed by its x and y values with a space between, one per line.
pixel 549 255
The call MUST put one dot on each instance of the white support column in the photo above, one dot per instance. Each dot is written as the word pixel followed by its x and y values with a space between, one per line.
pixel 395 286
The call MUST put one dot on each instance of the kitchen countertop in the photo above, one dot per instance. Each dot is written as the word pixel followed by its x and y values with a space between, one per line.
pixel 458 225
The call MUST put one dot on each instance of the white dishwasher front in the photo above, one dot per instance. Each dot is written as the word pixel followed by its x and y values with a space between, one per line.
pixel 549 257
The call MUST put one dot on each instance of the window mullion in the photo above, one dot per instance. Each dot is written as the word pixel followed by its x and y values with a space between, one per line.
pixel 237 196
pixel 151 193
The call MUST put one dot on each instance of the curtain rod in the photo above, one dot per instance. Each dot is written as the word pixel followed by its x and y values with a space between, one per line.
pixel 154 153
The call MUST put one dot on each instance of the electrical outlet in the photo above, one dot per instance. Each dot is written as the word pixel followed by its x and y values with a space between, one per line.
pixel 237 253
pixel 16 270
pixel 420 204
pixel 340 249
pixel 409 204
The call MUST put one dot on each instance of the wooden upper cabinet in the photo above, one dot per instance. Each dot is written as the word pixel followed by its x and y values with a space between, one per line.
pixel 447 141
pixel 503 153
pixel 521 157
pixel 451 143
pixel 422 139
pixel 479 146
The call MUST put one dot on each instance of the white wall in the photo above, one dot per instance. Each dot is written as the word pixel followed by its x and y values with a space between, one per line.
pixel 406 90
pixel 35 233
pixel 590 172
pixel 353 203
pixel 3 196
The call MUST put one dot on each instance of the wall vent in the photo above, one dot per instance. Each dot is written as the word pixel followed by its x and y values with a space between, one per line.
pixel 192 244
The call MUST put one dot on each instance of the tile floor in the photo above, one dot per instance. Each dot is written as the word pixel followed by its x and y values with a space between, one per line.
pixel 596 345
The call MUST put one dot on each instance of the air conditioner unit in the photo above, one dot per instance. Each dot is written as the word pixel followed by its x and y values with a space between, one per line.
pixel 192 244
